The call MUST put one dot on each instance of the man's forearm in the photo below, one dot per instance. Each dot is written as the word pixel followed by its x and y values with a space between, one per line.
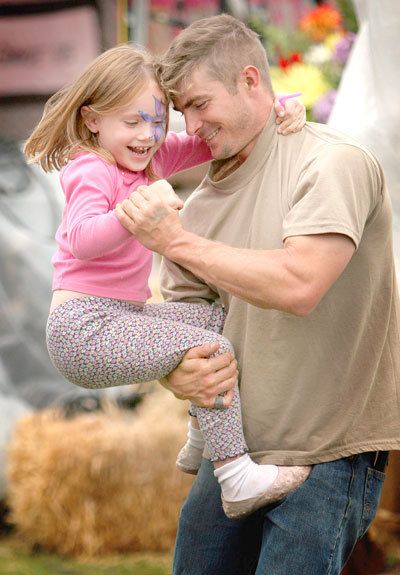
pixel 260 277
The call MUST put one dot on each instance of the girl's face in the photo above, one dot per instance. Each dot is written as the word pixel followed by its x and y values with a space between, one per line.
pixel 134 133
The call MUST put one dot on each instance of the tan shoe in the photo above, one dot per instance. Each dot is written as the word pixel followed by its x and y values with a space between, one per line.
pixel 289 478
pixel 189 459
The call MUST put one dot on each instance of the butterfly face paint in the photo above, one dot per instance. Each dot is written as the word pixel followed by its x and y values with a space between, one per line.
pixel 158 121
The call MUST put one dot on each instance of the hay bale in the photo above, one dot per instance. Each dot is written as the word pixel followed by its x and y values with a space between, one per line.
pixel 101 482
pixel 385 531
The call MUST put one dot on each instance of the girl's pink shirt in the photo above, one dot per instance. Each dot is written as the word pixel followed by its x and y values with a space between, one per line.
pixel 95 254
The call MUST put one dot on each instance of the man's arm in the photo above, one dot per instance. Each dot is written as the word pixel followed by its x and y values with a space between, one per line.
pixel 292 279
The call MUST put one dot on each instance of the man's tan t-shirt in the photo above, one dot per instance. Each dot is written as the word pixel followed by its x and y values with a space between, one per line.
pixel 327 385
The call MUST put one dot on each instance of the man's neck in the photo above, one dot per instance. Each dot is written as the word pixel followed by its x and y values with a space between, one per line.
pixel 226 167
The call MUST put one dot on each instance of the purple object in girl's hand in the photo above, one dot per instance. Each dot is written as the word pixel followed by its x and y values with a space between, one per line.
pixel 283 99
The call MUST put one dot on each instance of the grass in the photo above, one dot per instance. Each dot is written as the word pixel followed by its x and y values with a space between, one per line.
pixel 15 559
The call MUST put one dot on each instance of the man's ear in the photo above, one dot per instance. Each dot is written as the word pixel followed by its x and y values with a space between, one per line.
pixel 250 77
pixel 90 118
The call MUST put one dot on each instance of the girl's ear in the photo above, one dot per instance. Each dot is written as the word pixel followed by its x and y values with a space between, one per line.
pixel 90 118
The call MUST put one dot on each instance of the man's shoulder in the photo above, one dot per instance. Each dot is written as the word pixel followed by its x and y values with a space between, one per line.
pixel 325 144
pixel 324 137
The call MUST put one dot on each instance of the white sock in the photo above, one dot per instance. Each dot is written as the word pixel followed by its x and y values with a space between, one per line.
pixel 195 437
pixel 242 478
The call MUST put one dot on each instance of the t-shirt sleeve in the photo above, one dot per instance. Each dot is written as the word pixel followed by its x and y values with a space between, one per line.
pixel 336 193
pixel 180 152
pixel 92 227
pixel 179 284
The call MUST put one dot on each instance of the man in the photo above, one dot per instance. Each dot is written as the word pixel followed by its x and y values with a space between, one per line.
pixel 294 236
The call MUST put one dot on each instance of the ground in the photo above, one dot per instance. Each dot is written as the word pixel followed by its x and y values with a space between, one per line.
pixel 15 559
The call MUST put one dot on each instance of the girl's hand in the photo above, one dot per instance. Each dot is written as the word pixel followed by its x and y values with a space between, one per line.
pixel 166 192
pixel 290 115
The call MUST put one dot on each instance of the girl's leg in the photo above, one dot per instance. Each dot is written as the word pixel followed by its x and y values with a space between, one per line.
pixel 87 343
pixel 99 342
pixel 203 315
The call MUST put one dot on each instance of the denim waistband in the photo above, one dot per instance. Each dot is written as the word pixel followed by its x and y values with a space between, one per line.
pixel 378 459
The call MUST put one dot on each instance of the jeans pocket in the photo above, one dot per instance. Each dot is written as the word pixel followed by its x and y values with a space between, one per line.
pixel 372 492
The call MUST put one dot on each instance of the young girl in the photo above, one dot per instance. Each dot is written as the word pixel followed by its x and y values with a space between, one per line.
pixel 107 134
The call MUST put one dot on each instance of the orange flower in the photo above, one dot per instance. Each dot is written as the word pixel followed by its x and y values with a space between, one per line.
pixel 320 22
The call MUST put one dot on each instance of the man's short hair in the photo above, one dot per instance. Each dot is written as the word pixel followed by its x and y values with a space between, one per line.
pixel 223 44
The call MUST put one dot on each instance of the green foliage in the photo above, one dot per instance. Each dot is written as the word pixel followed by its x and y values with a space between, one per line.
pixel 16 561
pixel 348 14
pixel 278 41
pixel 332 72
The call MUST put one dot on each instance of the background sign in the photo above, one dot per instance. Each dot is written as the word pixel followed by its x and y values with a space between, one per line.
pixel 42 51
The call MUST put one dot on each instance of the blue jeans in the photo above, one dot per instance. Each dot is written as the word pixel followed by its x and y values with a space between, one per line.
pixel 311 532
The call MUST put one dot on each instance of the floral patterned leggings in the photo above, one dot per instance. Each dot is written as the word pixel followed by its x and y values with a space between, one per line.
pixel 100 342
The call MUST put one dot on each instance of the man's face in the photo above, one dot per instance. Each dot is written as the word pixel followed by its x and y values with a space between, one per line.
pixel 225 121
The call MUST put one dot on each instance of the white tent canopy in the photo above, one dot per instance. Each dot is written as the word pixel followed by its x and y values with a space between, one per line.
pixel 367 104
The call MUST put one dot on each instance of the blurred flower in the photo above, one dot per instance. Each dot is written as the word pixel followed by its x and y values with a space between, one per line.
pixel 332 39
pixel 343 48
pixel 300 78
pixel 310 57
pixel 323 107
pixel 318 54
pixel 321 21
pixel 292 59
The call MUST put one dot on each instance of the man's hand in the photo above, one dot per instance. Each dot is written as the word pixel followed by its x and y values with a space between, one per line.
pixel 148 215
pixel 165 191
pixel 200 378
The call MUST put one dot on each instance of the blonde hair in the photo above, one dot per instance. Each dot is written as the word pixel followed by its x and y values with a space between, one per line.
pixel 223 44
pixel 110 82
